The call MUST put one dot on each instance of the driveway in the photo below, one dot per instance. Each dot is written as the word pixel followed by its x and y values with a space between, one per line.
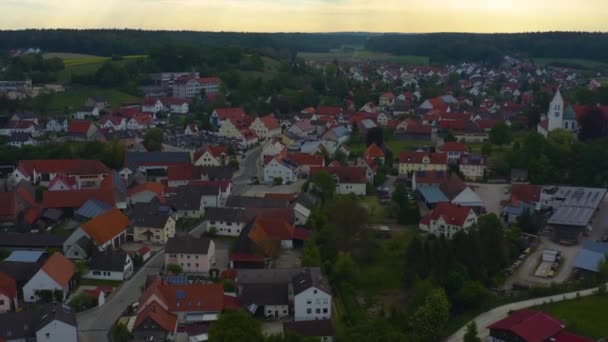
pixel 489 317
pixel 491 195
pixel 94 325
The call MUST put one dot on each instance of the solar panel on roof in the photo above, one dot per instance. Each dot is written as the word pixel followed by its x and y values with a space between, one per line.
pixel 180 294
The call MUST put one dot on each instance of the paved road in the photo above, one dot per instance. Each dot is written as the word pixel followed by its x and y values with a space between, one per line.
pixel 249 167
pixel 501 312
pixel 95 324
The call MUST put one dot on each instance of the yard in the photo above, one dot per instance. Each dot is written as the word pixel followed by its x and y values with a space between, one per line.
pixel 74 98
pixel 584 316
pixel 378 212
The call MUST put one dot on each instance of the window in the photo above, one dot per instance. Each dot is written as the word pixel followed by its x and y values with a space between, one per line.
pixel 96 273
pixel 309 311
pixel 318 310
pixel 314 291
pixel 1 302
pixel 325 310
pixel 47 335
pixel 309 301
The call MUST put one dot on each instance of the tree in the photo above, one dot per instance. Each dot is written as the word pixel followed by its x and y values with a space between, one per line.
pixel 428 321
pixel 233 163
pixel 471 334
pixel 500 134
pixel 486 149
pixel 311 255
pixel 120 333
pixel 324 185
pixel 449 136
pixel 138 260
pixel 174 268
pixel 344 269
pixel 235 326
pixel 347 221
pixel 153 139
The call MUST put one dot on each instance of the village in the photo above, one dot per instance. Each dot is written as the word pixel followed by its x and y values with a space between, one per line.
pixel 199 221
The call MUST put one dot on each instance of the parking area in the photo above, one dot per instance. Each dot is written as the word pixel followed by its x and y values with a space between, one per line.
pixel 491 195
pixel 290 258
pixel 261 190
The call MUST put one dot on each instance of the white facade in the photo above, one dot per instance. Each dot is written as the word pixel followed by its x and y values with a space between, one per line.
pixel 112 275
pixel 556 118
pixel 473 172
pixel 207 159
pixel 351 188
pixel 225 228
pixel 40 281
pixel 276 311
pixel 312 304
pixel 81 115
pixel 153 108
pixel 57 331
pixel 275 169
pixel 441 227
pixel 54 125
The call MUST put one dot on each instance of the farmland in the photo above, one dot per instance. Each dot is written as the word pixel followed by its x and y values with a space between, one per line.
pixel 584 316
pixel 80 64
pixel 572 62
pixel 75 98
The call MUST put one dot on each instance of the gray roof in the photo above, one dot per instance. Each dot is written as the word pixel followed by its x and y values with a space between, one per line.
pixel 187 198
pixel 25 256
pixel 266 275
pixel 310 277
pixel 577 207
pixel 432 194
pixel 256 202
pixel 307 200
pixel 218 172
pixel 314 328
pixel 134 159
pixel 591 255
pixel 153 214
pixel 93 208
pixel 20 240
pixel 187 245
pixel 25 324
pixel 264 294
pixel 224 214
pixel 113 261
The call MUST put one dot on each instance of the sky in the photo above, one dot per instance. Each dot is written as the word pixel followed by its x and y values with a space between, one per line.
pixel 310 15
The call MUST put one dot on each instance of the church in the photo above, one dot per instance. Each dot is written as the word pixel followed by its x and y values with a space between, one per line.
pixel 560 115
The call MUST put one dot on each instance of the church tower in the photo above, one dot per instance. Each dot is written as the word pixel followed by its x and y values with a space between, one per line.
pixel 556 112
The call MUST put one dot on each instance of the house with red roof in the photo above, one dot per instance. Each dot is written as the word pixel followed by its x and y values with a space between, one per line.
pixel 414 130
pixel 454 150
pixel 428 178
pixel 83 129
pixel 146 192
pixel 422 161
pixel 105 231
pixel 87 173
pixel 532 326
pixel 8 293
pixel 112 122
pixel 57 273
pixel 386 100
pixel 524 198
pixel 63 182
pixel 446 219
pixel 220 115
pixel 473 166
pixel 373 152
pixel 140 121
pixel 211 155
pixel 191 129
pixel 74 199
pixel 152 105
pixel 266 126
pixel 349 179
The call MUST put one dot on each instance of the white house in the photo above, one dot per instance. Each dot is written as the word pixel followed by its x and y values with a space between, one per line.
pixel 312 295
pixel 349 180
pixel 55 274
pixel 446 219
pixel 57 326
pixel 110 265
pixel 473 167
pixel 266 126
pixel 113 122
pixel 106 231
pixel 49 322
pixel 152 105
pixel 211 156
pixel 86 112
pixel 57 125
pixel 225 221
pixel 279 167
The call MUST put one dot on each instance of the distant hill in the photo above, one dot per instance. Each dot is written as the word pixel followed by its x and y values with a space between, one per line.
pixel 455 47
pixel 135 42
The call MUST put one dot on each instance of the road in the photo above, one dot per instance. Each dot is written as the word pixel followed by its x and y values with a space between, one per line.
pixel 94 325
pixel 489 317
pixel 249 167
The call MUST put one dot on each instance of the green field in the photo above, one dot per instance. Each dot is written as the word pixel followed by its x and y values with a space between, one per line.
pixel 574 62
pixel 362 55
pixel 75 98
pixel 584 316
pixel 271 69
pixel 80 64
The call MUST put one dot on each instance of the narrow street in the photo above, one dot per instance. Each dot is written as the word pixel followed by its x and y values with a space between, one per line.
pixel 249 167
pixel 94 325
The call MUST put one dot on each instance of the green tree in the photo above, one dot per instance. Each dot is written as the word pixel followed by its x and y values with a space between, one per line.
pixel 430 319
pixel 449 136
pixel 486 149
pixel 153 139
pixel 471 333
pixel 500 134
pixel 174 268
pixel 311 255
pixel 120 333
pixel 235 326
pixel 348 220
pixel 324 185
pixel 344 269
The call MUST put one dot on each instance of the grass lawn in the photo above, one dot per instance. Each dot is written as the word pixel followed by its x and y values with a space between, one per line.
pixel 385 273
pixel 271 69
pixel 75 98
pixel 341 55
pixel 582 63
pixel 404 145
pixel 584 316
pixel 377 211
pixel 76 64
pixel 99 282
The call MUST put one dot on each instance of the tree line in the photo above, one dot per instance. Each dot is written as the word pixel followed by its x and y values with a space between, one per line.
pixel 459 47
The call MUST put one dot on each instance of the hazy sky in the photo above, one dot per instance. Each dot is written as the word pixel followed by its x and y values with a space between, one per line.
pixel 310 15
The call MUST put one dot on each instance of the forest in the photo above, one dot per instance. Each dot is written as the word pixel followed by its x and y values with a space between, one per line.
pixel 489 48
pixel 133 42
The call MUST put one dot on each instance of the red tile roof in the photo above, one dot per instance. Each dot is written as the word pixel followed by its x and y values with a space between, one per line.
pixel 452 146
pixel 328 110
pixel 230 113
pixel 69 181
pixel 270 121
pixel 157 188
pixel 301 234
pixel 210 80
pixel 430 177
pixel 564 336
pixel 530 325
pixel 106 226
pixel 59 268
pixel 345 174
pixel 528 193
pixel 166 320
pixel 8 286
pixel 486 124
pixel 417 157
pixel 267 228
pixel 79 126
pixel 64 166
pixel 284 214
pixel 183 172
pixel 457 125
pixel 193 297
pixel 8 209
pixel 215 151
pixel 373 152
pixel 306 159
pixel 76 198
pixel 33 214
pixel 452 214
